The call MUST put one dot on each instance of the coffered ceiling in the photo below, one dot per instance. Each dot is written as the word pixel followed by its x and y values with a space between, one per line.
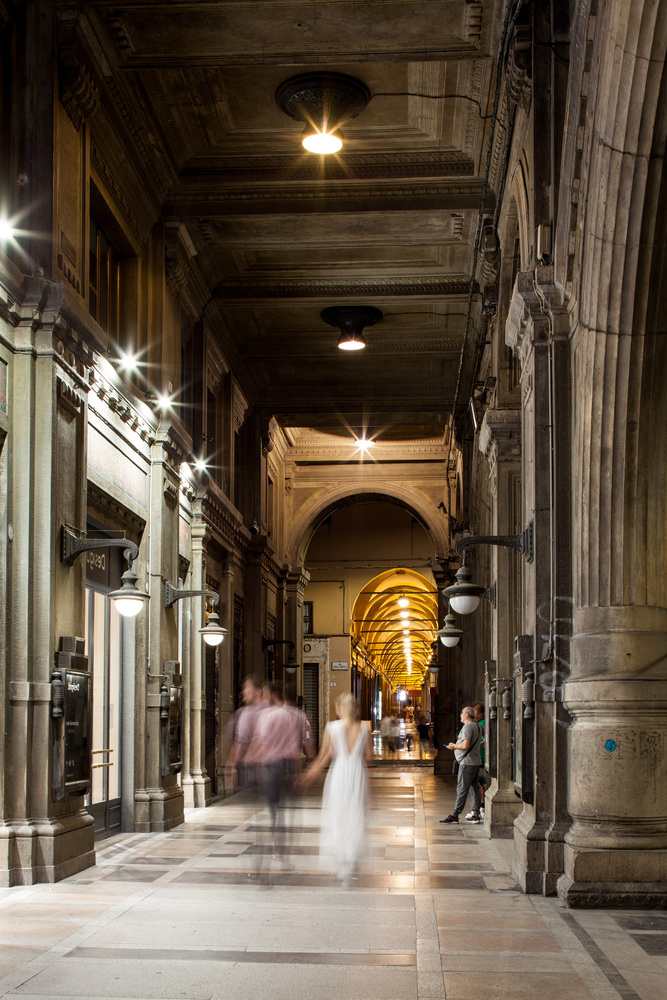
pixel 274 234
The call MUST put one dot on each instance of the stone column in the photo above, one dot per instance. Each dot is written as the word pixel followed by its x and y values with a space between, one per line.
pixel 230 566
pixel 500 441
pixel 446 722
pixel 199 785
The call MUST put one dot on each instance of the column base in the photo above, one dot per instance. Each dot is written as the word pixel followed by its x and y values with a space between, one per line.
pixel 197 791
pixel 158 810
pixel 537 863
pixel 614 878
pixel 46 850
pixel 612 895
pixel 501 807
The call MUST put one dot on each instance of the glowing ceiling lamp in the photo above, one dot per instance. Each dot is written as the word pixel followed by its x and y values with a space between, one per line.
pixel 323 101
pixel 351 321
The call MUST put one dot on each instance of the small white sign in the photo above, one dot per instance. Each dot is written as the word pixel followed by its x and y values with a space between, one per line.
pixel 340 665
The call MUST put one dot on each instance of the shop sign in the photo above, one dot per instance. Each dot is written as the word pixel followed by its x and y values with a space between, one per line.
pixel 340 665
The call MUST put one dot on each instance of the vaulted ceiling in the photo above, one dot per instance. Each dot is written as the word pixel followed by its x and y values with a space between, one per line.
pixel 276 234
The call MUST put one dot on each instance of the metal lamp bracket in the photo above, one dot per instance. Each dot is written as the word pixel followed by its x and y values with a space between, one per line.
pixel 171 595
pixel 524 542
pixel 72 545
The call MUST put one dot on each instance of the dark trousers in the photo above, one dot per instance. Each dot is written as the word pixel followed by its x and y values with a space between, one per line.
pixel 467 781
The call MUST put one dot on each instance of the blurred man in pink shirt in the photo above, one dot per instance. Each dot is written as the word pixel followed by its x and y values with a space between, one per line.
pixel 282 733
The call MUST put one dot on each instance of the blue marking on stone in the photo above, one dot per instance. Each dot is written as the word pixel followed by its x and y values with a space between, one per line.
pixel 610 745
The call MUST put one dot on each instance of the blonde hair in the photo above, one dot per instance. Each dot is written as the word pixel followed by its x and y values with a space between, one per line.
pixel 347 707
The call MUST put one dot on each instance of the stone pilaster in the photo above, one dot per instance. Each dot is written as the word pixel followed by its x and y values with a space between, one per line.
pixel 538 332
pixel 159 800
pixel 500 442
pixel 41 840
pixel 296 582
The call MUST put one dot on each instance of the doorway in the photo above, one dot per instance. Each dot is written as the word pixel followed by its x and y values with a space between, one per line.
pixel 103 638
pixel 311 697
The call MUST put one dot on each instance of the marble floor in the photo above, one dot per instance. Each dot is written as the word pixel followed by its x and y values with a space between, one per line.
pixel 206 911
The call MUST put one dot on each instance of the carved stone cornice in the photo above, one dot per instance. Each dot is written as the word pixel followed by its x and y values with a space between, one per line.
pixel 216 365
pixel 239 407
pixel 500 436
pixel 78 87
pixel 519 83
pixel 178 252
pixel 317 288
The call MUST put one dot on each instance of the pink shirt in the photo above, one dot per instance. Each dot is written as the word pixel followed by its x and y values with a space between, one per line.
pixel 244 731
pixel 281 732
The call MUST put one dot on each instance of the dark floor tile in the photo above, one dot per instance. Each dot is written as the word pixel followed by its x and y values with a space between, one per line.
pixel 642 921
pixel 453 882
pixel 461 866
pixel 653 944
pixel 135 874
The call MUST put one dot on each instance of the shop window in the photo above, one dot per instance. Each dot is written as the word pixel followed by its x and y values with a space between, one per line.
pixel 103 281
pixel 307 617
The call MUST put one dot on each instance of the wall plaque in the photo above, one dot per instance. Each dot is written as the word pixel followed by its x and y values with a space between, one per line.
pixel 340 664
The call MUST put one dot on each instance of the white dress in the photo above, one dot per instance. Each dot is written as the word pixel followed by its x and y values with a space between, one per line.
pixel 344 802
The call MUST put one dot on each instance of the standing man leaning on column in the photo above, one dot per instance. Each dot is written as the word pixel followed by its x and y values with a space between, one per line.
pixel 466 751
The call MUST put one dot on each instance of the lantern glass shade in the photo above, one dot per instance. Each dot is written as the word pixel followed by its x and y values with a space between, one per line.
pixel 464 604
pixel 449 640
pixel 128 600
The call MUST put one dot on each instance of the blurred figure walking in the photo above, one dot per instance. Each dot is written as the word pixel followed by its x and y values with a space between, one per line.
pixel 282 734
pixel 347 746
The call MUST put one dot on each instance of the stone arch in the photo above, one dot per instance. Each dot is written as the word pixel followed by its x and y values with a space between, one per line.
pixel 319 507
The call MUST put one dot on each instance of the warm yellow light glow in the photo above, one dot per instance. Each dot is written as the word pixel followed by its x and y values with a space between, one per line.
pixel 163 402
pixel 365 445
pixel 323 143
pixel 406 631
pixel 351 345
pixel 403 602
pixel 405 614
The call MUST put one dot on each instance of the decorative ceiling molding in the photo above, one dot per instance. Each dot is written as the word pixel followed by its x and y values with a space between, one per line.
pixel 266 347
pixel 277 289
pixel 350 166
pixel 446 195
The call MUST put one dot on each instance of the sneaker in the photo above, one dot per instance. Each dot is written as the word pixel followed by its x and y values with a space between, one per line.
pixel 450 819
pixel 469 815
pixel 474 818
pixel 481 813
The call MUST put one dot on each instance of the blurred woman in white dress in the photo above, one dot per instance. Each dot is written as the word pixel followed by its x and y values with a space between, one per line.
pixel 347 747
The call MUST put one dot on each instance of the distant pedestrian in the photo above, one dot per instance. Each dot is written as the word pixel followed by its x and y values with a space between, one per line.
pixel 347 747
pixel 466 751
pixel 424 739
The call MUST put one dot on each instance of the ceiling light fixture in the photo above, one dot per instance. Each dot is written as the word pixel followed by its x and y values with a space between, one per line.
pixel 351 321
pixel 323 101
pixel 403 602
